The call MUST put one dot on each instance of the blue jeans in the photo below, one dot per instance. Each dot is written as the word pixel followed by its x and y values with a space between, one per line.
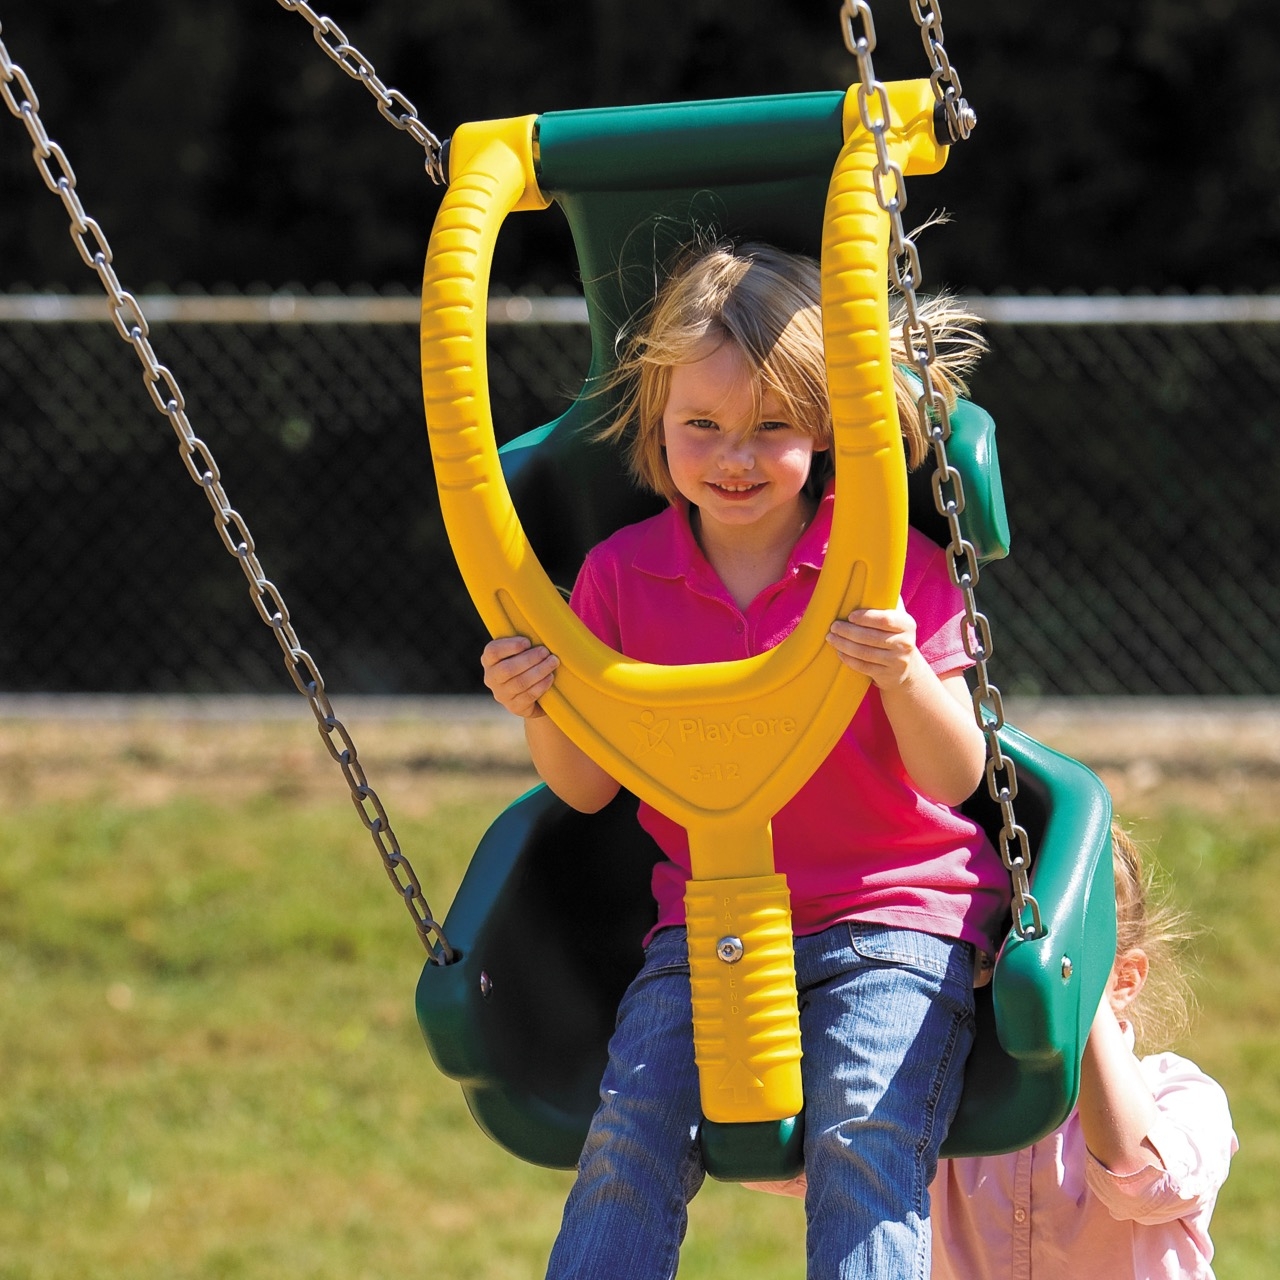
pixel 886 1022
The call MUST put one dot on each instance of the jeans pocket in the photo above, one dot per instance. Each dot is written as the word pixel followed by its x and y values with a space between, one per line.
pixel 946 960
pixel 667 952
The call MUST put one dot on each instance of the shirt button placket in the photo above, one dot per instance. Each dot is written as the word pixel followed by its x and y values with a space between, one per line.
pixel 1020 1258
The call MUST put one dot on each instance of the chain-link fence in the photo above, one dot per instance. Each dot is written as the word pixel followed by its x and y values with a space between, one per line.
pixel 1139 442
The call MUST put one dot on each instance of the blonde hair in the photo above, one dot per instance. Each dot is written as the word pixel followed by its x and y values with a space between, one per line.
pixel 768 303
pixel 1146 920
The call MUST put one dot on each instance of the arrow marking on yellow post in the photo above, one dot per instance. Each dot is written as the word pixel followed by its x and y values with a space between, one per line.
pixel 740 1080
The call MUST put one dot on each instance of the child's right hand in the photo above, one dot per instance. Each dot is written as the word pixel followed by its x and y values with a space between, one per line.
pixel 518 672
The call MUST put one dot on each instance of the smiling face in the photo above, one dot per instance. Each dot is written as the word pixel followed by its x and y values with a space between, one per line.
pixel 737 459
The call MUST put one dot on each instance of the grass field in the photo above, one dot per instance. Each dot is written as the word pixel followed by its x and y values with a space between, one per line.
pixel 210 1062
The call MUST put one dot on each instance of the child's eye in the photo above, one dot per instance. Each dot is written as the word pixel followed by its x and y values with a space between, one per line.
pixel 703 424
pixel 775 426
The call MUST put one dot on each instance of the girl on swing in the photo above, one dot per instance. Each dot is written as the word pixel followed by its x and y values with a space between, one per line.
pixel 895 894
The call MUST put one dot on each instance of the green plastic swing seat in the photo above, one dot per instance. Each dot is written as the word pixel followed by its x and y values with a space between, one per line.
pixel 549 918
pixel 548 923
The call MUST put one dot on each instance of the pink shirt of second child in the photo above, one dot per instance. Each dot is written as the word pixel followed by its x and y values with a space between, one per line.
pixel 857 841
pixel 1054 1212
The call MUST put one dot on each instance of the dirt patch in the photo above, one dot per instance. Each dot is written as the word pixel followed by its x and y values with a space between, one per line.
pixel 1156 754
pixel 1152 754
pixel 149 752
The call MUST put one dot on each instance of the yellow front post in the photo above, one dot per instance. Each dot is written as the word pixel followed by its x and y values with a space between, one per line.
pixel 746 1027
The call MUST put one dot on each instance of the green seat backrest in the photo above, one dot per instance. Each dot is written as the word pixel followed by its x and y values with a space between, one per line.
pixel 549 919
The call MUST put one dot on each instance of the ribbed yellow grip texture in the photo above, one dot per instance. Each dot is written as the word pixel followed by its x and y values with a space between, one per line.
pixel 746 1028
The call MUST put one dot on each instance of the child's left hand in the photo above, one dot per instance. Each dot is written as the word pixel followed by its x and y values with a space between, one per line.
pixel 877 643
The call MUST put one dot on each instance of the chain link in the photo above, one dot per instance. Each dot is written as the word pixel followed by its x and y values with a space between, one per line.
pixel 51 161
pixel 960 118
pixel 392 104
pixel 948 489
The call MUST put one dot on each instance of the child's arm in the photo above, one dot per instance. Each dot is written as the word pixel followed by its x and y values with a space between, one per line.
pixel 1159 1141
pixel 518 673
pixel 931 715
pixel 1116 1107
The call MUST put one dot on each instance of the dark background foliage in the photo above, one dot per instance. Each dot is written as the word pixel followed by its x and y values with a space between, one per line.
pixel 1119 147
pixel 1129 147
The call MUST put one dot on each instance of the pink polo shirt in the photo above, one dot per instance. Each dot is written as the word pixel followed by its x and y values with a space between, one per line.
pixel 1053 1212
pixel 857 841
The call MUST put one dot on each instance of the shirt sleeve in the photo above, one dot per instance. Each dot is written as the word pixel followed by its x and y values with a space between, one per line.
pixel 1194 1138
pixel 936 604
pixel 595 598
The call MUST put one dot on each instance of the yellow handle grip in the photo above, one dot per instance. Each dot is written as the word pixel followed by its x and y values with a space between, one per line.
pixel 746 1028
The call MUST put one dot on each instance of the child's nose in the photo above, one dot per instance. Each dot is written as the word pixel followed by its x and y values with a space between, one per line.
pixel 737 452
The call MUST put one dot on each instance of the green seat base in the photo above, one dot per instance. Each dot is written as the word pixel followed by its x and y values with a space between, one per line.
pixel 548 923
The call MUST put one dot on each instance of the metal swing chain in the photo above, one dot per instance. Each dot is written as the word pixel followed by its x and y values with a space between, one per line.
pixel 946 83
pixel 392 104
pixel 55 169
pixel 948 489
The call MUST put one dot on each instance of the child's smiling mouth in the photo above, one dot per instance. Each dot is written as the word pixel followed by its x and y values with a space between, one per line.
pixel 725 487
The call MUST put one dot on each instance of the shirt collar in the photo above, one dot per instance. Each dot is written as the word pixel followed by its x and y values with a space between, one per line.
pixel 811 548
pixel 669 549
